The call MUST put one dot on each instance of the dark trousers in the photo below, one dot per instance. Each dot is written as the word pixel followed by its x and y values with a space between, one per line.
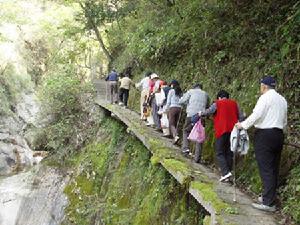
pixel 187 128
pixel 155 115
pixel 268 144
pixel 123 95
pixel 173 117
pixel 113 91
pixel 224 154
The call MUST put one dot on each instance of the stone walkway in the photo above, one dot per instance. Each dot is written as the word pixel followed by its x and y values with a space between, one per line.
pixel 203 183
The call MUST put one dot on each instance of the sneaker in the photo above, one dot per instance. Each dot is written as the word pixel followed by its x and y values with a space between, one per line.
pixel 176 139
pixel 121 104
pixel 186 151
pixel 227 180
pixel 225 177
pixel 264 207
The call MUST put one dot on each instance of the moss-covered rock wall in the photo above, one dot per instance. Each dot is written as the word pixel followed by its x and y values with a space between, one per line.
pixel 114 182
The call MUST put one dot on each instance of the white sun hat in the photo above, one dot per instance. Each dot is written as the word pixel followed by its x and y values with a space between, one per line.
pixel 153 76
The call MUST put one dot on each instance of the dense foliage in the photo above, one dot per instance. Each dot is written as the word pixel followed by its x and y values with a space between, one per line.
pixel 66 103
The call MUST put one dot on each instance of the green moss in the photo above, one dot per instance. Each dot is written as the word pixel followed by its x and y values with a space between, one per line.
pixel 126 188
pixel 232 210
pixel 206 220
pixel 209 195
pixel 161 154
pixel 164 152
pixel 80 189
pixel 155 144
pixel 177 166
pixel 155 160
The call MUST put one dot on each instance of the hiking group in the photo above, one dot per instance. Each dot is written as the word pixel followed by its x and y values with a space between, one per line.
pixel 161 107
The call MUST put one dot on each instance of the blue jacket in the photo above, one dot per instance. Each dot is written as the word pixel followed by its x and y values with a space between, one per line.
pixel 113 76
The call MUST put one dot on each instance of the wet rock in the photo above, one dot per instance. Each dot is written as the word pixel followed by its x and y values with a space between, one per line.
pixel 33 198
pixel 14 158
pixel 27 108
pixel 15 153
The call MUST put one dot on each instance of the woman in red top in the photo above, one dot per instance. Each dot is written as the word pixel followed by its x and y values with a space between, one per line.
pixel 226 114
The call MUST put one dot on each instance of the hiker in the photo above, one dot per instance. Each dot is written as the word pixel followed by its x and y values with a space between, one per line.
pixel 269 117
pixel 226 114
pixel 174 109
pixel 143 85
pixel 125 85
pixel 164 121
pixel 112 87
pixel 196 100
pixel 155 92
pixel 149 100
pixel 153 120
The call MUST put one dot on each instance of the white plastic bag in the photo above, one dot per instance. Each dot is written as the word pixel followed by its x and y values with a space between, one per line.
pixel 242 138
pixel 164 121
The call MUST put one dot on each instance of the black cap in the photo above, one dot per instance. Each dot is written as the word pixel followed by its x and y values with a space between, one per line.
pixel 268 80
pixel 174 82
pixel 198 85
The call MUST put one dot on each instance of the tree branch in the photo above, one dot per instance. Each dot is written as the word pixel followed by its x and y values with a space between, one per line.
pixel 97 32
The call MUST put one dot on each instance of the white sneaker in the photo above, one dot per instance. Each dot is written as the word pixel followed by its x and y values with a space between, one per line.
pixel 176 139
pixel 264 207
pixel 186 151
pixel 225 177
pixel 121 104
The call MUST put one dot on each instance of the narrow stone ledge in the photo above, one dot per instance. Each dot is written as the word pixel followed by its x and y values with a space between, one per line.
pixel 201 182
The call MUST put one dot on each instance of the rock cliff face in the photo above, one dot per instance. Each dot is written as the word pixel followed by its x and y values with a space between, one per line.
pixel 15 154
pixel 33 198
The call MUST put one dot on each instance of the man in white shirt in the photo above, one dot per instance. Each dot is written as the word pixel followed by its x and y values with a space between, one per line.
pixel 144 86
pixel 269 117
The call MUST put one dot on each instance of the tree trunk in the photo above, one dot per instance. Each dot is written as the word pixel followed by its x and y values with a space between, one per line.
pixel 99 38
pixel 98 35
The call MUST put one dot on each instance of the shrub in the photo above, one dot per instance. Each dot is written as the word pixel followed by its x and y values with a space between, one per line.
pixel 68 119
